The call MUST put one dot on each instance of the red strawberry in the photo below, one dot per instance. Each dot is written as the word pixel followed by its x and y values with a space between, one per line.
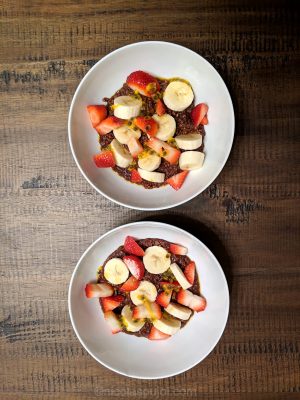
pixel 134 147
pixel 177 249
pixel 187 298
pixel 160 108
pixel 189 272
pixel 131 284
pixel 147 310
pixel 135 176
pixel 176 181
pixel 108 124
pixel 97 114
pixel 169 285
pixel 98 290
pixel 112 302
pixel 132 247
pixel 135 266
pixel 113 321
pixel 147 125
pixel 184 297
pixel 204 121
pixel 105 159
pixel 143 82
pixel 164 298
pixel 198 113
pixel 166 151
pixel 155 334
pixel 198 303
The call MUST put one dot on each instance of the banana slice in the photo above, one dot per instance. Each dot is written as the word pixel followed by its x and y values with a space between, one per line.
pixel 157 177
pixel 149 161
pixel 145 291
pixel 127 107
pixel 180 277
pixel 190 160
pixel 167 324
pixel 178 96
pixel 131 325
pixel 125 132
pixel 179 311
pixel 115 271
pixel 166 126
pixel 156 260
pixel 122 156
pixel 191 141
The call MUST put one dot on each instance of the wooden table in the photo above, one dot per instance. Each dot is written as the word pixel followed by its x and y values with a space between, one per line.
pixel 249 217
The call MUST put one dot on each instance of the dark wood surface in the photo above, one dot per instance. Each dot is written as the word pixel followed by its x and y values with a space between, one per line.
pixel 49 214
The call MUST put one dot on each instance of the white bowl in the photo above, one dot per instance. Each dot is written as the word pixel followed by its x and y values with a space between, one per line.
pixel 161 59
pixel 139 357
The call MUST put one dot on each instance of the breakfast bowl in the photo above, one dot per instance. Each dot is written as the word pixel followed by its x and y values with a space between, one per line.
pixel 145 355
pixel 167 62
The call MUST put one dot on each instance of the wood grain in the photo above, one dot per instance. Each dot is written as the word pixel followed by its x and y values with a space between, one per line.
pixel 249 217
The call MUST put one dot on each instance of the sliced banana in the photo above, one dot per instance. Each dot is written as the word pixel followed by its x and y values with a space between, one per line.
pixel 127 107
pixel 115 271
pixel 156 260
pixel 190 160
pixel 145 291
pixel 149 161
pixel 191 141
pixel 122 157
pixel 125 132
pixel 179 311
pixel 167 324
pixel 157 177
pixel 131 325
pixel 166 126
pixel 178 96
pixel 180 277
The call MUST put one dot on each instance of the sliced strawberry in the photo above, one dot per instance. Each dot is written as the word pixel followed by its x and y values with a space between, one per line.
pixel 108 124
pixel 113 321
pixel 189 272
pixel 134 147
pixel 131 284
pixel 98 290
pixel 143 82
pixel 135 266
pixel 166 151
pixel 105 159
pixel 97 114
pixel 135 176
pixel 176 181
pixel 147 310
pixel 155 334
pixel 111 302
pixel 164 298
pixel 184 297
pixel 198 113
pixel 147 125
pixel 160 108
pixel 166 285
pixel 178 249
pixel 198 303
pixel 187 298
pixel 204 120
pixel 132 247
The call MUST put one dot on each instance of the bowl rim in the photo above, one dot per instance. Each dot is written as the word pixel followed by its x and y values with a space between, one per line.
pixel 136 44
pixel 158 225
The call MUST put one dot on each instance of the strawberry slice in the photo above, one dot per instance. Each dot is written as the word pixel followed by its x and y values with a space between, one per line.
pixel 164 298
pixel 147 310
pixel 105 159
pixel 189 272
pixel 131 247
pixel 108 124
pixel 98 290
pixel 155 334
pixel 198 303
pixel 187 298
pixel 111 302
pixel 143 82
pixel 97 114
pixel 134 147
pixel 147 125
pixel 166 151
pixel 135 266
pixel 178 249
pixel 113 321
pixel 198 113
pixel 204 121
pixel 135 177
pixel 131 284
pixel 176 181
pixel 160 108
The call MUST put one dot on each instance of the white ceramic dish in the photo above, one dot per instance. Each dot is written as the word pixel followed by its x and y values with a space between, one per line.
pixel 139 357
pixel 161 59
